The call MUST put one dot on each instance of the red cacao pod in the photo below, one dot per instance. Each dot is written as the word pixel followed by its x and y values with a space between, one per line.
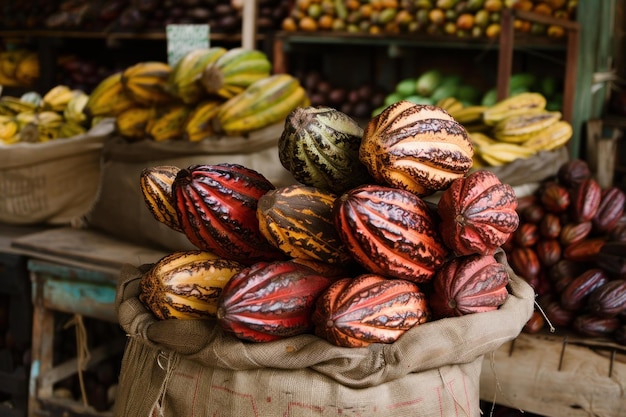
pixel 526 201
pixel 469 284
pixel 549 251
pixel 555 198
pixel 391 232
pixel 534 324
pixel 618 233
pixel 573 172
pixel 478 213
pixel 558 315
pixel 585 250
pixel 585 200
pixel 612 258
pixel 526 235
pixel 216 207
pixel 574 232
pixel 532 214
pixel 575 295
pixel 595 326
pixel 610 210
pixel 525 262
pixel 270 300
pixel 355 312
pixel 608 300
pixel 550 226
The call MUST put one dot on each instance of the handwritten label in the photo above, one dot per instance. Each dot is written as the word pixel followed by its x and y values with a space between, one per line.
pixel 184 38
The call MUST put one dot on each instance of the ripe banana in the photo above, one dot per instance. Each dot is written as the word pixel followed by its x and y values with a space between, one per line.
pixel 70 129
pixel 75 109
pixel 134 122
pixel 10 105
pixel 519 104
pixel 156 188
pixel 450 104
pixel 8 128
pixel 56 98
pixel 469 114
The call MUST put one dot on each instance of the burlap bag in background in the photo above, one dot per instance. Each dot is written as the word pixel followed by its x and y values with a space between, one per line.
pixel 533 169
pixel 52 182
pixel 120 210
pixel 191 368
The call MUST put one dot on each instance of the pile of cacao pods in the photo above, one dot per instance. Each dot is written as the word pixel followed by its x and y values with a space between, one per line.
pixel 571 247
pixel 352 251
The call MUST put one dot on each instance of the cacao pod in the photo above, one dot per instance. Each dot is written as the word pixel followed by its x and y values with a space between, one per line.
pixel 320 147
pixel 574 232
pixel 594 326
pixel 298 220
pixel 575 295
pixel 186 284
pixel 156 189
pixel 390 231
pixel 419 148
pixel 549 251
pixel 573 172
pixel 585 200
pixel 534 324
pixel 550 226
pixel 558 315
pixel 469 284
pixel 609 211
pixel 525 262
pixel 533 213
pixel 270 301
pixel 478 213
pixel 585 250
pixel 355 312
pixel 609 300
pixel 555 198
pixel 612 258
pixel 526 235
pixel 216 206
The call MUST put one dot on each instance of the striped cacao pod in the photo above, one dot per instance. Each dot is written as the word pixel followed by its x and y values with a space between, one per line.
pixel 270 301
pixel 609 300
pixel 469 284
pixel 418 148
pixel 390 231
pixel 610 210
pixel 156 189
pixel 298 220
pixel 355 312
pixel 216 207
pixel 585 200
pixel 478 213
pixel 186 284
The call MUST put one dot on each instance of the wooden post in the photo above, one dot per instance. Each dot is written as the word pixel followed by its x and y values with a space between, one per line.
pixel 248 27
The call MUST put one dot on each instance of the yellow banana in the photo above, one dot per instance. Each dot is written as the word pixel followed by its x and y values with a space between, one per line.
pixel 70 129
pixel 25 118
pixel 56 98
pixel 517 129
pixel 14 105
pixel 169 124
pixel 500 153
pixel 75 109
pixel 28 70
pixel 468 114
pixel 8 129
pixel 523 103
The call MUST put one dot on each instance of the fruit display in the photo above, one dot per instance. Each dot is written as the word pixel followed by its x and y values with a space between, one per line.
pixel 464 19
pixel 569 247
pixel 517 127
pixel 209 93
pixel 223 16
pixel 32 118
pixel 354 265
pixel 19 68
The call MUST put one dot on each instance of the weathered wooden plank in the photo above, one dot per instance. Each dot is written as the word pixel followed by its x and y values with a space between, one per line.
pixel 542 375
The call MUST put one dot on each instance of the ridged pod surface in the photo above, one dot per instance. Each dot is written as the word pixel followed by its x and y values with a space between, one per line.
pixel 216 207
pixel 478 214
pixel 356 312
pixel 185 77
pixel 298 220
pixel 270 300
pixel 147 82
pixel 156 189
pixel 186 284
pixel 391 232
pixel 320 147
pixel 419 148
pixel 467 285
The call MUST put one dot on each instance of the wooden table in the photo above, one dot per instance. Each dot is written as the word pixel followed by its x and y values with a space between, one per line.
pixel 72 271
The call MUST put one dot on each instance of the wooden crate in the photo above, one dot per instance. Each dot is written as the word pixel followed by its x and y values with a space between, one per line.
pixel 557 375
pixel 74 276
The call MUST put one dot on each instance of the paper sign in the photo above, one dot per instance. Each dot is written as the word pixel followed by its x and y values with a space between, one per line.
pixel 184 38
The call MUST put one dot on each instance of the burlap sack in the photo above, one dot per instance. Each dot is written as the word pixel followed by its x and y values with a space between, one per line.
pixel 53 182
pixel 533 169
pixel 191 368
pixel 120 210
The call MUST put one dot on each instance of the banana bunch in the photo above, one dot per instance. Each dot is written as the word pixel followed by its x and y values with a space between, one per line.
pixel 18 68
pixel 514 128
pixel 33 118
